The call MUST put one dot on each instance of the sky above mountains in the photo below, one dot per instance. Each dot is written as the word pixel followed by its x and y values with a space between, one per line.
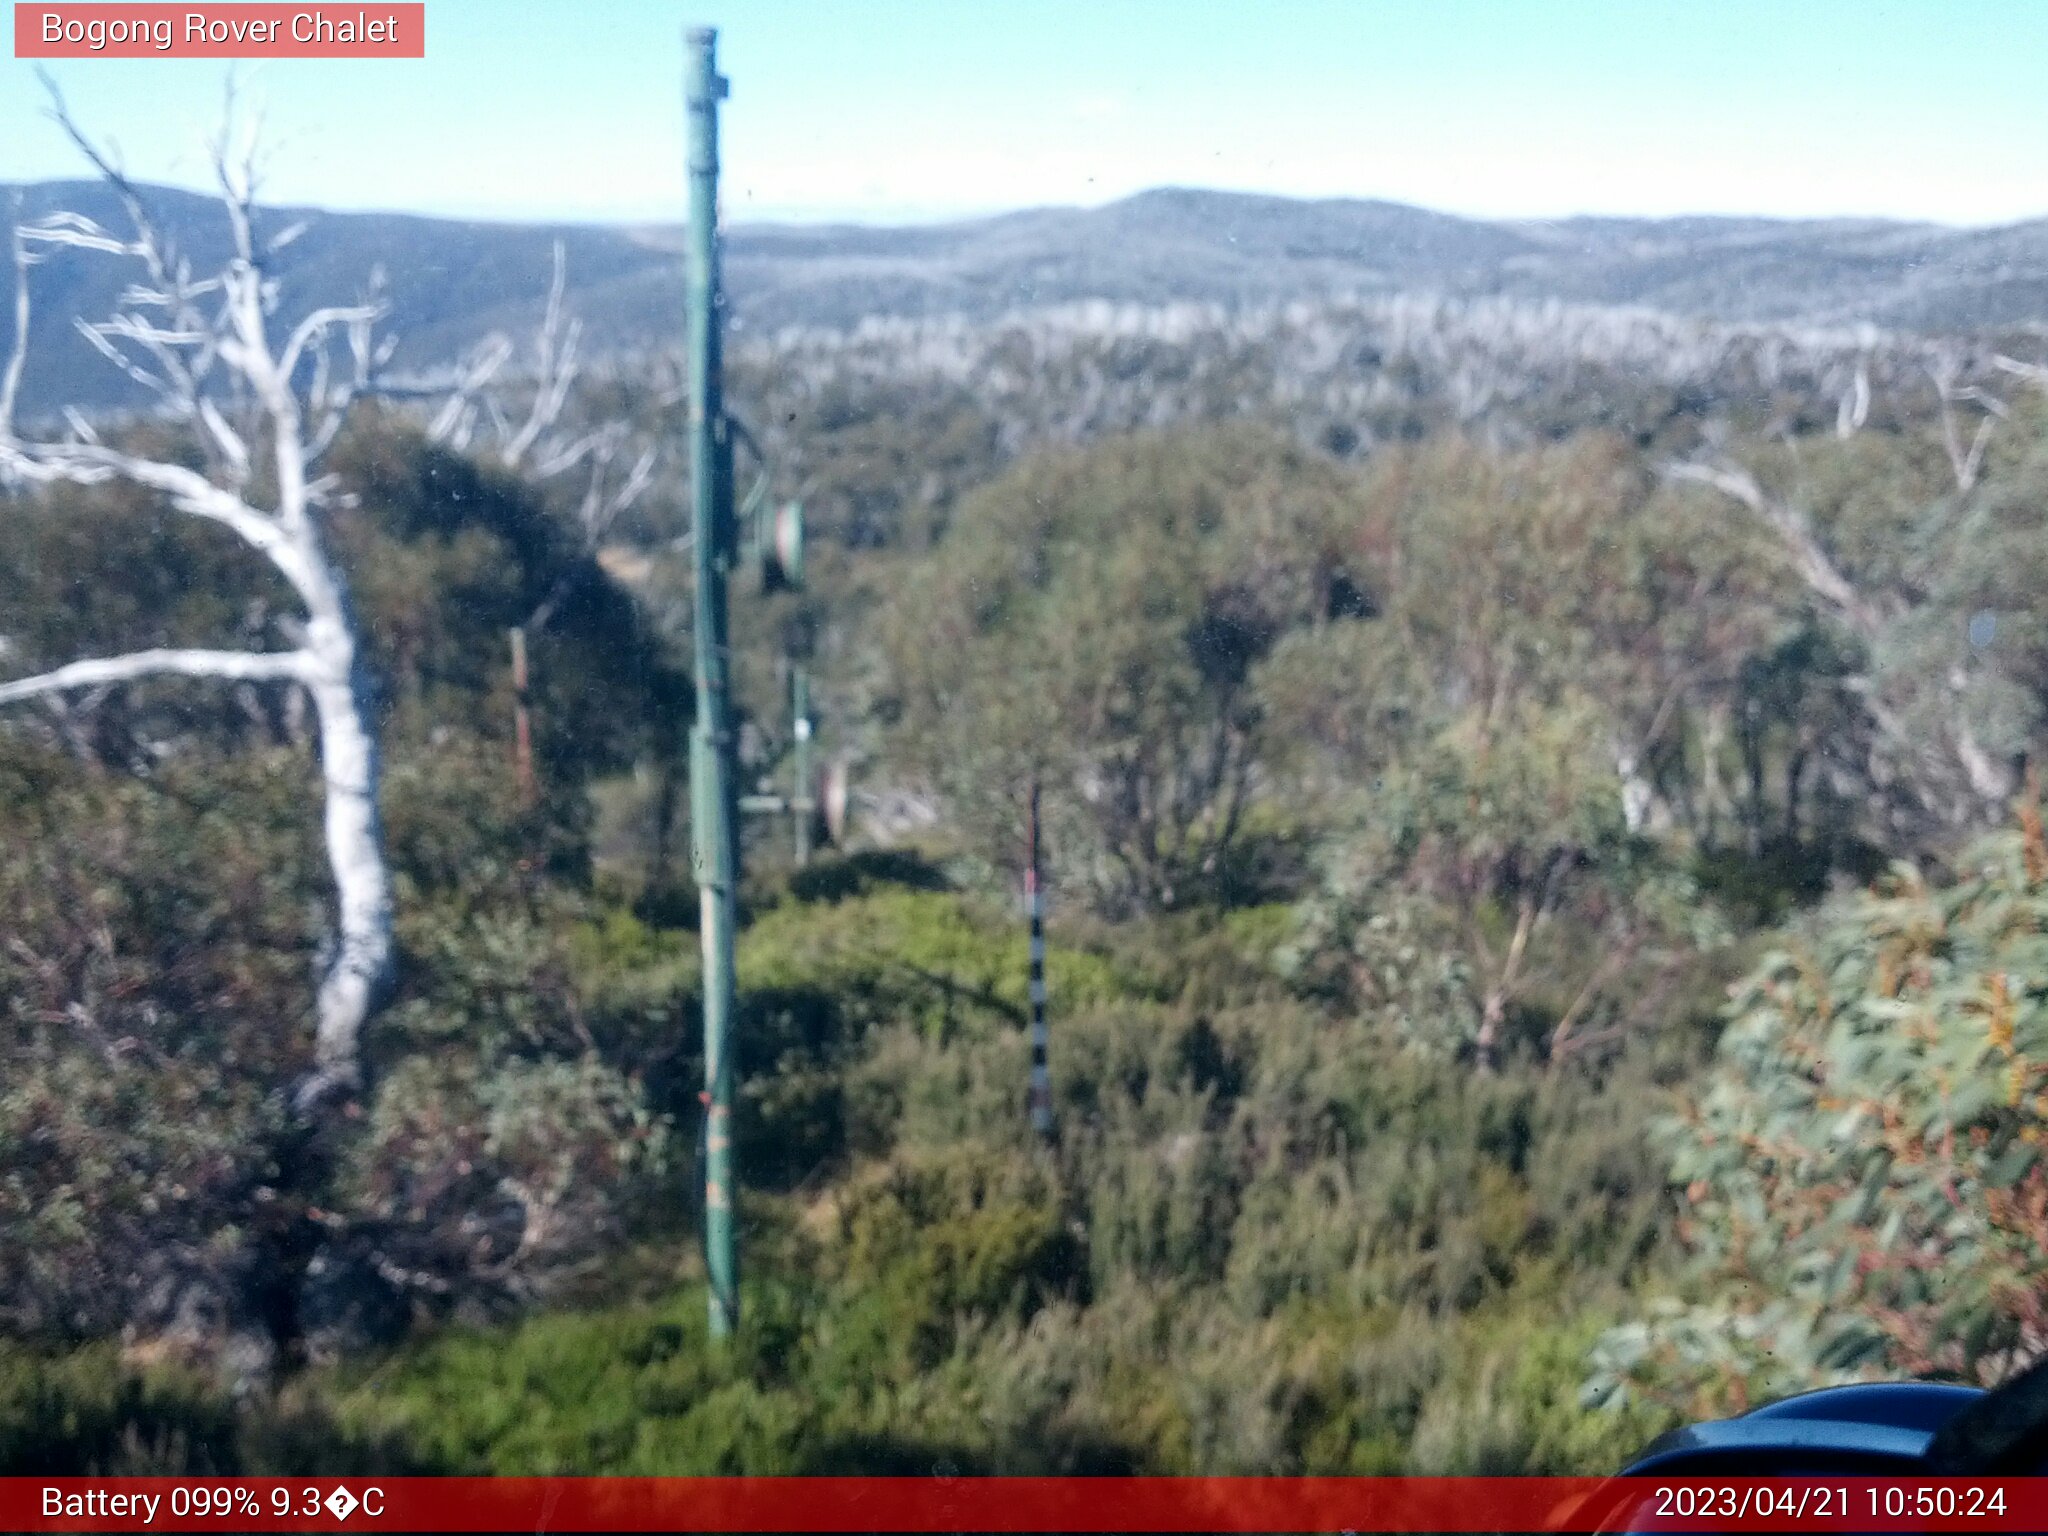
pixel 895 110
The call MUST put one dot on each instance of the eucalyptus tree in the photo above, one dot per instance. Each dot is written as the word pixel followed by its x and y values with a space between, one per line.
pixel 1094 619
pixel 1861 1176
pixel 1499 748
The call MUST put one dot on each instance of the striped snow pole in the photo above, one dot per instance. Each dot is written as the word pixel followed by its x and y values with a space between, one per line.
pixel 1034 902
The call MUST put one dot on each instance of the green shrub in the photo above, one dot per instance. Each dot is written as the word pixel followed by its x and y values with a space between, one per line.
pixel 1862 1171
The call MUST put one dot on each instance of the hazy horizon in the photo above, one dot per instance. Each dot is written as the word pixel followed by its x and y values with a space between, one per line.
pixel 912 219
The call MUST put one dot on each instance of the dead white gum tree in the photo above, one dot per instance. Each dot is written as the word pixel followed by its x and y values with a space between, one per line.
pixel 263 410
pixel 473 416
pixel 1988 782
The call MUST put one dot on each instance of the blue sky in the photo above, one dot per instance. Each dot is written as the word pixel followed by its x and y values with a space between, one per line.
pixel 912 109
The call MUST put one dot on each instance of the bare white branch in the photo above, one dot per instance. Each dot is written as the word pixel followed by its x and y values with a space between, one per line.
pixel 471 378
pixel 1815 568
pixel 1854 408
pixel 637 482
pixel 1977 395
pixel 1964 462
pixel 558 368
pixel 96 335
pixel 227 440
pixel 17 352
pixel 317 324
pixel 79 232
pixel 147 245
pixel 93 463
pixel 131 328
pixel 601 444
pixel 2032 373
pixel 1973 461
pixel 245 666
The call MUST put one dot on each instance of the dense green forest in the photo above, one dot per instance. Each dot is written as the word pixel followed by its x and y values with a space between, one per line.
pixel 1547 935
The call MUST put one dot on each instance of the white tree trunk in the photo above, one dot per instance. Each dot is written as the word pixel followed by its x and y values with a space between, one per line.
pixel 340 687
pixel 362 885
pixel 1637 793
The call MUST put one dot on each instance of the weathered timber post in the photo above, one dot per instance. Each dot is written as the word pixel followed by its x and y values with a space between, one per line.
pixel 522 722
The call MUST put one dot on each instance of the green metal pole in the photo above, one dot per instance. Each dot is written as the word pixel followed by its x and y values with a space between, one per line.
pixel 715 854
pixel 804 800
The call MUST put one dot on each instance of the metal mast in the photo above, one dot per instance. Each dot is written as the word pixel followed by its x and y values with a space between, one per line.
pixel 714 853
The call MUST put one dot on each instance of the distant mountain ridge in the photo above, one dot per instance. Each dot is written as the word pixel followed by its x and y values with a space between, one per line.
pixel 451 282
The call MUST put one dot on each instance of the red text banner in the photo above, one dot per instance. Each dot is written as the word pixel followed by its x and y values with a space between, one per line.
pixel 109 30
pixel 1009 1504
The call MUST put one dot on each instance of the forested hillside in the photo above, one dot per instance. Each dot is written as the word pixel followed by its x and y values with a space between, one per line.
pixel 453 282
pixel 1545 868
